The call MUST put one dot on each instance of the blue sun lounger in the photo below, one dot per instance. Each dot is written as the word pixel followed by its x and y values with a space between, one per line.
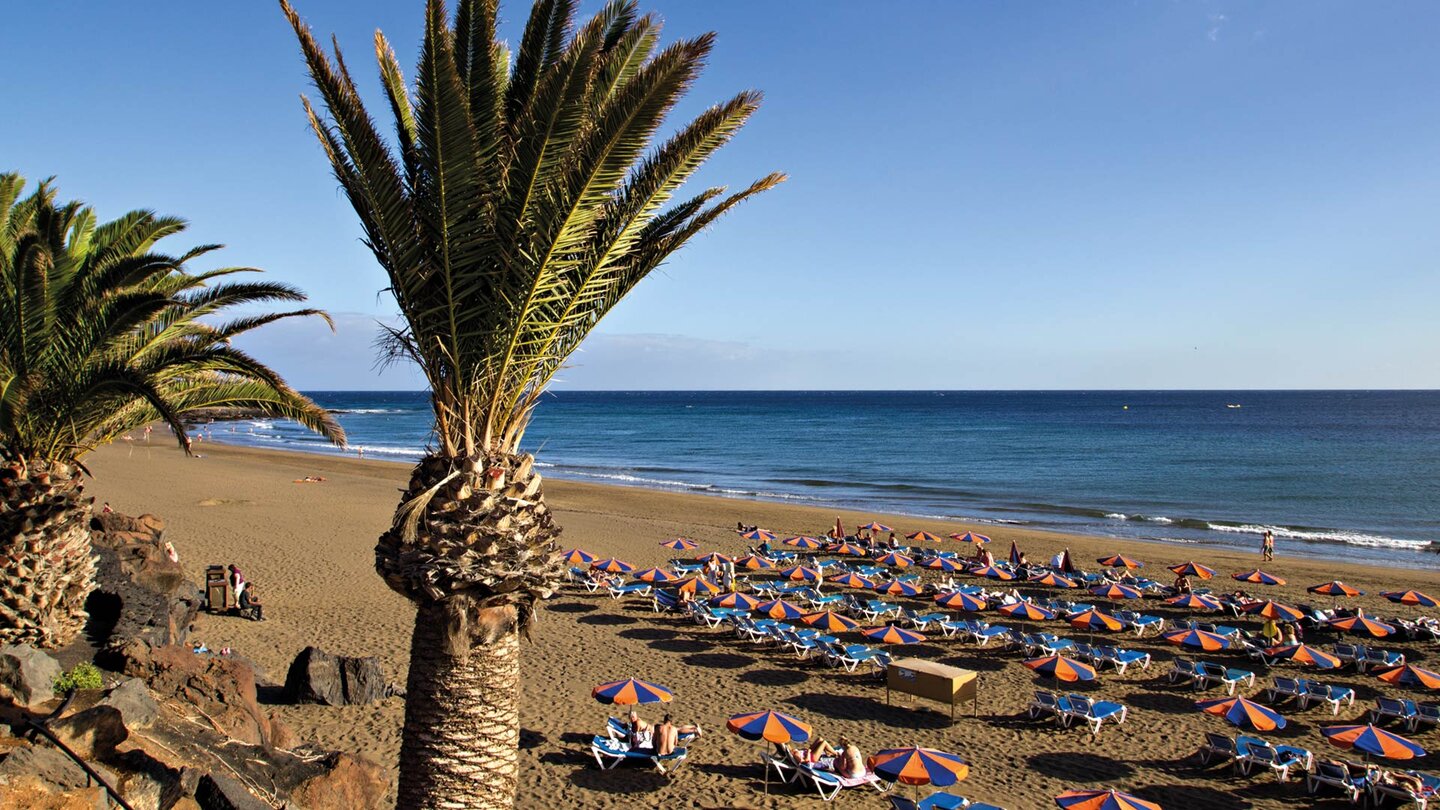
pixel 608 753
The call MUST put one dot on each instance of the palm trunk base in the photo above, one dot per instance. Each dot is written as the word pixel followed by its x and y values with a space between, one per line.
pixel 47 568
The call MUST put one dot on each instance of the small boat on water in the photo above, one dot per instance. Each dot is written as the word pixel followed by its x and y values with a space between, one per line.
pixel 1232 405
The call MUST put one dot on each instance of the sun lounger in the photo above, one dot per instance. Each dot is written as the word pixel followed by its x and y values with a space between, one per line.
pixel 829 784
pixel 1256 753
pixel 1429 790
pixel 784 769
pixel 920 621
pixel 1184 670
pixel 800 644
pixel 1091 712
pixel 1402 710
pixel 1336 775
pixel 1141 622
pixel 882 608
pixel 1425 714
pixel 1121 659
pixel 608 753
pixel 581 577
pixel 1046 703
pixel 1218 746
pixel 702 614
pixel 1328 693
pixel 938 801
pixel 1214 673
pixel 660 601
pixel 617 730
pixel 1346 652
pixel 1374 658
pixel 849 657
pixel 621 591
pixel 951 629
pixel 1282 689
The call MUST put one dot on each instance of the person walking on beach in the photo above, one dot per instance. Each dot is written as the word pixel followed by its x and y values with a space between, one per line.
pixel 1267 546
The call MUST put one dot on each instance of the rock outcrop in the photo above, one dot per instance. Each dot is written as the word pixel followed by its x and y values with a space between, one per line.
pixel 220 688
pixel 140 592
pixel 27 676
pixel 316 676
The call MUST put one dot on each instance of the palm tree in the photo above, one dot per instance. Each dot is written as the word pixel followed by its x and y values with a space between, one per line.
pixel 100 335
pixel 521 200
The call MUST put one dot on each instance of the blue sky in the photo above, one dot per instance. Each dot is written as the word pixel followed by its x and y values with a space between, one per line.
pixel 983 194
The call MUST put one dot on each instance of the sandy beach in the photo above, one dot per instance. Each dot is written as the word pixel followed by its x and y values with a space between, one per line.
pixel 308 549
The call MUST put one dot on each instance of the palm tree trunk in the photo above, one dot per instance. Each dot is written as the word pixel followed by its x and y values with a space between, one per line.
pixel 462 720
pixel 47 568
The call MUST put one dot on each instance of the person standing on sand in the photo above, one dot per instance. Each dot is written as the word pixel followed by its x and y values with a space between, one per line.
pixel 1267 546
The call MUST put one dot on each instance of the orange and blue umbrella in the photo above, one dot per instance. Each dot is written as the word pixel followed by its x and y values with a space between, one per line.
pixel 733 599
pixel 1361 625
pixel 630 692
pixel 759 535
pixel 754 563
pixel 713 556
pixel 993 572
pixel 1305 654
pixel 942 564
pixel 801 572
pixel 918 766
pixel 1193 569
pixel 1027 611
pixel 890 634
pixel 848 549
pixel 850 579
pixel 1257 577
pixel 680 544
pixel 1274 610
pixel 1372 740
pixel 1335 588
pixel 894 587
pixel 696 585
pixel 1062 668
pixel 1411 675
pixel 801 541
pixel 955 600
pixel 970 537
pixel 830 621
pixel 610 565
pixel 1197 638
pixel 1120 561
pixel 1195 601
pixel 1095 620
pixel 1053 580
pixel 1410 598
pixel 1116 590
pixel 769 726
pixel 876 527
pixel 1243 712
pixel 924 537
pixel 779 609
pixel 1102 800
pixel 576 556
pixel 654 575
pixel 896 559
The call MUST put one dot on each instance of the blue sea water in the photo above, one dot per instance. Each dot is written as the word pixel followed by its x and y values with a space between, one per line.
pixel 1335 474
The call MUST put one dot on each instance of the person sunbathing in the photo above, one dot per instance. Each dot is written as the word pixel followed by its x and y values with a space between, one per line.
pixel 851 763
pixel 666 737
pixel 822 754
pixel 1405 781
pixel 641 734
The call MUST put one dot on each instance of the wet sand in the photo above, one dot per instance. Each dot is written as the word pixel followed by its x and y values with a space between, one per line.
pixel 308 549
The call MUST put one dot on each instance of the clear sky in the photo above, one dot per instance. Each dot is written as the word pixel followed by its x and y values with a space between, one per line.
pixel 1207 194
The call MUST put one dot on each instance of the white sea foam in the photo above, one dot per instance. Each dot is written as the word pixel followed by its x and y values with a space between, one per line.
pixel 1160 519
pixel 388 449
pixel 1117 516
pixel 1349 538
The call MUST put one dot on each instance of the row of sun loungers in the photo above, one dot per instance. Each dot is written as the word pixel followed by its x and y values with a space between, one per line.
pixel 1205 674
pixel 939 801
pixel 827 784
pixel 807 642
pixel 1067 709
pixel 1305 691
pixel 1408 712
pixel 1249 754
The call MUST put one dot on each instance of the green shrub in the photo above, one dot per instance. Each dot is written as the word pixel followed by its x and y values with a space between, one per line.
pixel 84 675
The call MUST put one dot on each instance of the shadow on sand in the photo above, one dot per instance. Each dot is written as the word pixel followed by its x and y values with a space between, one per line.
pixel 718 660
pixel 648 633
pixel 608 619
pixel 1076 766
pixel 851 707
pixel 774 677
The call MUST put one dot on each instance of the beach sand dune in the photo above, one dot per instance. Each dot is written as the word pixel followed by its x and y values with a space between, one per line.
pixel 308 548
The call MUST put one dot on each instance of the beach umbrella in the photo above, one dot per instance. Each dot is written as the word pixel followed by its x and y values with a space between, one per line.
pixel 1066 564
pixel 890 634
pixel 1192 569
pixel 925 537
pixel 830 621
pixel 577 557
pixel 733 599
pixel 1116 590
pixel 1372 740
pixel 680 544
pixel 800 541
pixel 970 537
pixel 1062 668
pixel 876 527
pixel 1194 601
pixel 1335 588
pixel 1410 598
pixel 801 572
pixel 1411 675
pixel 1014 554
pixel 1028 611
pixel 610 565
pixel 1257 577
pixel 1360 625
pixel 1102 800
pixel 918 766
pixel 1095 620
pixel 894 587
pixel 896 559
pixel 1196 638
pixel 1120 561
pixel 696 585
pixel 849 579
pixel 759 535
pixel 1305 654
pixel 779 609
pixel 754 563
pixel 941 564
pixel 955 600
pixel 714 556
pixel 1243 712
pixel 769 726
pixel 993 572
pixel 654 575
pixel 849 549
pixel 1054 580
pixel 630 692
pixel 1274 610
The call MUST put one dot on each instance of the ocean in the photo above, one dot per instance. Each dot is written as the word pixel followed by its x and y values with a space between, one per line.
pixel 1334 474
